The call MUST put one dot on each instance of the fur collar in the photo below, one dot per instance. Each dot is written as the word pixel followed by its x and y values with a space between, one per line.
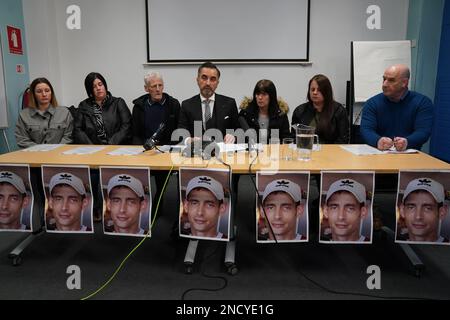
pixel 284 107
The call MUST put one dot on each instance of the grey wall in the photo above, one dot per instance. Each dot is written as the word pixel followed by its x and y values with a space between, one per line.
pixel 112 41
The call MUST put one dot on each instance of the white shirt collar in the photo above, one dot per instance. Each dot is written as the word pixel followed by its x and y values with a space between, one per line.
pixel 212 98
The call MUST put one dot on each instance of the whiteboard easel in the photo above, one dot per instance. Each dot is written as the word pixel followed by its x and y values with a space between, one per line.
pixel 369 61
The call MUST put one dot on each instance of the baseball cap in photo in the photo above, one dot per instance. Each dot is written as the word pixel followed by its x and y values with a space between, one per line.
pixel 352 186
pixel 14 179
pixel 126 180
pixel 433 187
pixel 69 179
pixel 284 185
pixel 208 183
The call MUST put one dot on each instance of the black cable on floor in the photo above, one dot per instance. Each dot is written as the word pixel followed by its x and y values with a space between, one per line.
pixel 356 293
pixel 203 273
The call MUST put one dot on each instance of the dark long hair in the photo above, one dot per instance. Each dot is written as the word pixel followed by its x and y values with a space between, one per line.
pixel 89 83
pixel 33 101
pixel 323 127
pixel 266 86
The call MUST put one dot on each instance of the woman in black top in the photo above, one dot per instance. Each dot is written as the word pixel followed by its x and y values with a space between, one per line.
pixel 265 112
pixel 101 118
pixel 323 113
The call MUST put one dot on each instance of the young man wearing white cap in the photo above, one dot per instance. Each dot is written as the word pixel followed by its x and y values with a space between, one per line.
pixel 13 199
pixel 204 204
pixel 67 201
pixel 423 208
pixel 282 206
pixel 126 200
pixel 345 208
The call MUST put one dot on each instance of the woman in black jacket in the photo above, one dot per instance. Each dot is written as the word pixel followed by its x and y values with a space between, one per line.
pixel 265 112
pixel 101 118
pixel 323 113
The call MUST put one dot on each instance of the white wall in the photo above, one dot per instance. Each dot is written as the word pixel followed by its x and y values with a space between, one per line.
pixel 112 41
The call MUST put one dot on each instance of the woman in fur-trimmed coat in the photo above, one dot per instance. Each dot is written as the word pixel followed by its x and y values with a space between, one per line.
pixel 265 113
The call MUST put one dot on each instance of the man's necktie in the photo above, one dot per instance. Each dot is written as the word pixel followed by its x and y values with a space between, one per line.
pixel 207 112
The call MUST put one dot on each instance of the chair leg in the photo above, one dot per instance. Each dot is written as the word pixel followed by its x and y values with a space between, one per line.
pixel 414 261
pixel 189 258
pixel 16 254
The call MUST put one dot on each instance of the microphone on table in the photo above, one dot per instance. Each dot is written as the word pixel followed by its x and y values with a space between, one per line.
pixel 244 125
pixel 151 142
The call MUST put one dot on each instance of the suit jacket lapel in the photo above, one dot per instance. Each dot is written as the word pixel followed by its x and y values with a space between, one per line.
pixel 197 110
pixel 217 113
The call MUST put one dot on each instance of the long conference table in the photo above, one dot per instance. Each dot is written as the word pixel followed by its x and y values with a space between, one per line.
pixel 328 158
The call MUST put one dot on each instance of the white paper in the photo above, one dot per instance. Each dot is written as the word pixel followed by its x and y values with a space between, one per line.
pixel 394 151
pixel 83 150
pixel 42 148
pixel 231 147
pixel 127 151
pixel 361 149
pixel 364 150
pixel 224 147
pixel 164 149
pixel 172 148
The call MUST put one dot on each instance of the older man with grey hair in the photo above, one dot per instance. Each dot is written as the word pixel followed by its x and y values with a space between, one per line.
pixel 149 112
pixel 153 109
pixel 397 118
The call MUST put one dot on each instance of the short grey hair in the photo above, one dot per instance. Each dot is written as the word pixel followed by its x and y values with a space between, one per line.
pixel 153 75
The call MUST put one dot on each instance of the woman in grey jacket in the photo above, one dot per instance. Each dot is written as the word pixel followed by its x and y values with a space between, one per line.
pixel 43 122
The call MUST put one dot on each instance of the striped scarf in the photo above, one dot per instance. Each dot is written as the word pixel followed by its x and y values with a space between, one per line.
pixel 98 115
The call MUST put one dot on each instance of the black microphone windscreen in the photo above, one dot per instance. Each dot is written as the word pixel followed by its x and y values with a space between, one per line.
pixel 243 123
pixel 154 139
pixel 149 144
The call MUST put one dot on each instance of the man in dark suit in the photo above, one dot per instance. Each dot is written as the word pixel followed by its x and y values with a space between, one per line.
pixel 209 110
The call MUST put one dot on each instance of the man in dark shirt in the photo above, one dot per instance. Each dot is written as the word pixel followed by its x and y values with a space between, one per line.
pixel 152 109
pixel 149 112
